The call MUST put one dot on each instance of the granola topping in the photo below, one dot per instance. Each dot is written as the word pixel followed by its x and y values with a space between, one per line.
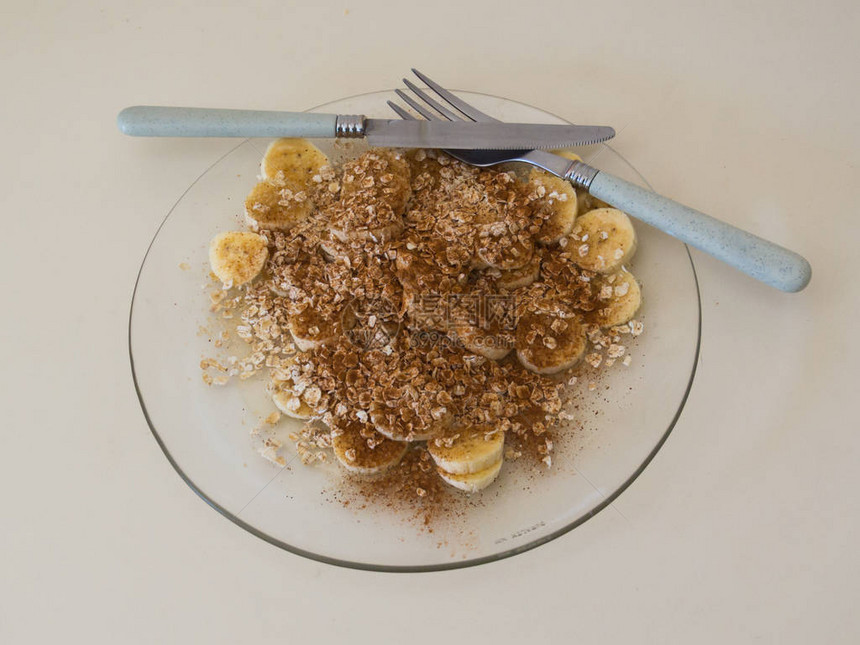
pixel 374 310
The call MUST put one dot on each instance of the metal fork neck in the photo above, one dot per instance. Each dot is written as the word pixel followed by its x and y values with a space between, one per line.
pixel 581 174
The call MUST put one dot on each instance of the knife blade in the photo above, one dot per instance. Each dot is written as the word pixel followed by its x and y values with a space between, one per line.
pixel 463 135
pixel 155 121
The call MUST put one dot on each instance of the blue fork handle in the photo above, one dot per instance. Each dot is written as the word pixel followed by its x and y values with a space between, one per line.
pixel 763 260
pixel 154 121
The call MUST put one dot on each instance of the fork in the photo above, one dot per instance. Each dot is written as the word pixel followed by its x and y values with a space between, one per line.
pixel 755 256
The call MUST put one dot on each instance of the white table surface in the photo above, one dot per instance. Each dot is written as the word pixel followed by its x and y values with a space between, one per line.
pixel 745 526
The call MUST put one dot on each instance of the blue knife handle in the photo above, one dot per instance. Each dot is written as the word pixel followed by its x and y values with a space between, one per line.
pixel 153 121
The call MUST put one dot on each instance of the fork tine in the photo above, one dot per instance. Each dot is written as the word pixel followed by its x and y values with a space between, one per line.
pixel 415 105
pixel 457 103
pixel 421 94
pixel 403 114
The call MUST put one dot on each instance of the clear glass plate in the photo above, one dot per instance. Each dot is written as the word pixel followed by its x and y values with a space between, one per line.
pixel 204 431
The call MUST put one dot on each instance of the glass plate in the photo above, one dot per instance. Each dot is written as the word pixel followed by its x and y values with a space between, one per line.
pixel 204 431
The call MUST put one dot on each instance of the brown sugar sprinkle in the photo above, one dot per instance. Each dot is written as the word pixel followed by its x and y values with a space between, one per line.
pixel 401 249
pixel 412 485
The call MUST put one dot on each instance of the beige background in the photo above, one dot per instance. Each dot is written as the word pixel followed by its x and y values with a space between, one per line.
pixel 745 526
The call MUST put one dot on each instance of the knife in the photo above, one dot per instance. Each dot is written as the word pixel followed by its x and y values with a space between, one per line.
pixel 154 121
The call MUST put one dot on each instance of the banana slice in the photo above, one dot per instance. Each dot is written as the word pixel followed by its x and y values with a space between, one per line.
pixel 522 277
pixel 393 187
pixel 290 404
pixel 561 201
pixel 237 257
pixel 406 427
pixel 620 299
pixel 472 482
pixel 378 234
pixel 425 310
pixel 588 202
pixel 277 208
pixel 548 344
pixel 567 154
pixel 468 450
pixel 490 333
pixel 289 398
pixel 375 189
pixel 493 342
pixel 603 240
pixel 292 162
pixel 363 451
pixel 505 253
pixel 311 329
pixel 425 289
